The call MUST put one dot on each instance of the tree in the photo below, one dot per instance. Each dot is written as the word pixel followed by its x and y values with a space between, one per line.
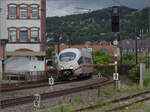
pixel 49 53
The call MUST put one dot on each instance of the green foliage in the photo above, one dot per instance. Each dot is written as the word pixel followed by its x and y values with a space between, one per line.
pixel 134 73
pixel 96 25
pixel 49 53
pixel 78 100
pixel 106 91
pixel 147 78
pixel 128 58
pixel 146 82
pixel 66 108
pixel 101 58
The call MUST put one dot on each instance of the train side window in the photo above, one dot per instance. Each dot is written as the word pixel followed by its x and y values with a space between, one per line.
pixel 80 61
pixel 88 60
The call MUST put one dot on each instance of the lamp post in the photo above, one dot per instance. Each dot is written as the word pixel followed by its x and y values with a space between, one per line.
pixel 3 43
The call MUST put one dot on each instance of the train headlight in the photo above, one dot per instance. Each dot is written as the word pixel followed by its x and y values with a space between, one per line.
pixel 61 67
pixel 71 67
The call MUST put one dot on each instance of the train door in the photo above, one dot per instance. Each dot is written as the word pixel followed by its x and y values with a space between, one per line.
pixel 84 65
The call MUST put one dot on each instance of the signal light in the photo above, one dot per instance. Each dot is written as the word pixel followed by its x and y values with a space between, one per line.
pixel 115 19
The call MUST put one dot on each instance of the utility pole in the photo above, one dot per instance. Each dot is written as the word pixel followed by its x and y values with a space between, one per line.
pixel 149 23
pixel 136 61
pixel 70 40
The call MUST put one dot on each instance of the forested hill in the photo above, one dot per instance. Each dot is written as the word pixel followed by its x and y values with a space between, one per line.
pixel 96 25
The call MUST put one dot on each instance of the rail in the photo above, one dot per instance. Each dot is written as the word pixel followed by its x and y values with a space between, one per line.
pixel 29 99
pixel 117 101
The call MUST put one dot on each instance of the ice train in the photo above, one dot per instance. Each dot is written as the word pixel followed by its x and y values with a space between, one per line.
pixel 73 62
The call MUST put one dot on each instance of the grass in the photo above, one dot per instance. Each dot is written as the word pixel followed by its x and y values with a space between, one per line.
pixel 79 101
pixel 106 91
pixel 147 77
pixel 139 107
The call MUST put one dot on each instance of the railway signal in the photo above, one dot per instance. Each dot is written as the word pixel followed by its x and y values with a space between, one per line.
pixel 115 19
pixel 51 81
pixel 37 100
pixel 116 76
pixel 116 34
pixel 100 75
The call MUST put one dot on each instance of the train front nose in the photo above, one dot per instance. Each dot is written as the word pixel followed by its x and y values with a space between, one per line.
pixel 67 72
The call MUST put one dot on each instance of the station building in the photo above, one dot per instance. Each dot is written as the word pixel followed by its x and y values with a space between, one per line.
pixel 23 24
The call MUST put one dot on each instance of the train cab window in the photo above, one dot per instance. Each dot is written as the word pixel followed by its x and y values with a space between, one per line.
pixel 67 56
pixel 80 61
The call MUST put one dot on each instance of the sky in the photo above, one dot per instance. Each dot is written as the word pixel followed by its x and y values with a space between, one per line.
pixel 68 7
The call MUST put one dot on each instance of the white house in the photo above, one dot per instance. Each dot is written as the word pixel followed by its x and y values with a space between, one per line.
pixel 23 23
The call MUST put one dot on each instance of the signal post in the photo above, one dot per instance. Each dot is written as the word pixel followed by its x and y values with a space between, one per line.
pixel 116 32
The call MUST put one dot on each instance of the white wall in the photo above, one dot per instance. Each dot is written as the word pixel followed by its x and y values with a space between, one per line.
pixel 3 33
pixel 20 63
pixel 24 64
pixel 22 23
pixel 13 47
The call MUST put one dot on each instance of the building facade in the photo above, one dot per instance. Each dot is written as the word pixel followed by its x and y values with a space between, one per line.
pixel 143 46
pixel 25 29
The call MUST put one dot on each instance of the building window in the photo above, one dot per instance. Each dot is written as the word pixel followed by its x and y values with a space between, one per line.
pixel 12 35
pixel 34 35
pixel 12 11
pixel 23 35
pixel 34 11
pixel 23 11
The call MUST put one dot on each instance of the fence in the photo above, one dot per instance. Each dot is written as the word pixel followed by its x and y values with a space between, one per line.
pixel 122 69
pixel 29 75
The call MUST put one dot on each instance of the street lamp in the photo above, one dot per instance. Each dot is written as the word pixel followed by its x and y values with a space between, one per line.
pixel 3 43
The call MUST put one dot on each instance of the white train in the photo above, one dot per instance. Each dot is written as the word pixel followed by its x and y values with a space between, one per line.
pixel 73 62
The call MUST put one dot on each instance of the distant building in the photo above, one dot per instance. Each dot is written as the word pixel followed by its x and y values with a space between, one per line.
pixel 102 43
pixel 107 48
pixel 23 23
pixel 143 46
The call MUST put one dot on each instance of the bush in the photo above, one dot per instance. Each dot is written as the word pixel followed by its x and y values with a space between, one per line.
pixel 134 73
pixel 101 58
pixel 49 53
pixel 128 58
pixel 107 71
pixel 146 82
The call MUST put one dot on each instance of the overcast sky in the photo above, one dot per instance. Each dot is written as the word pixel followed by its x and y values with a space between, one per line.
pixel 68 7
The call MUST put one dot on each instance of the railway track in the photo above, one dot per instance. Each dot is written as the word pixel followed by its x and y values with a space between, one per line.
pixel 127 105
pixel 19 86
pixel 29 99
pixel 115 101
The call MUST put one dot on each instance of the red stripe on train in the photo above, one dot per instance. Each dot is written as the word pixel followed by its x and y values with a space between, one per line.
pixel 83 67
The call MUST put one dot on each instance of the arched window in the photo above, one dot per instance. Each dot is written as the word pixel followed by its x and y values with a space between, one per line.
pixel 23 34
pixel 12 11
pixel 12 34
pixel 34 11
pixel 23 11
pixel 34 35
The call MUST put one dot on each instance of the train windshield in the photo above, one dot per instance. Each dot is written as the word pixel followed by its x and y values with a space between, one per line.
pixel 67 56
